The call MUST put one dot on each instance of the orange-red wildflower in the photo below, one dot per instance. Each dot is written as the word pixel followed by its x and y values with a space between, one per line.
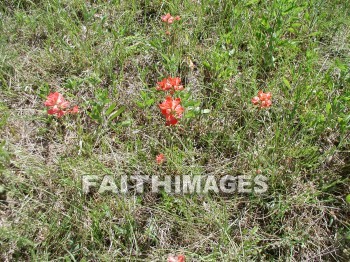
pixel 171 83
pixel 160 159
pixel 263 100
pixel 169 19
pixel 172 110
pixel 58 106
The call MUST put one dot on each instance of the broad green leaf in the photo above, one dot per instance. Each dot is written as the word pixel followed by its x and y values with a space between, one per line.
pixel 116 113
pixel 111 108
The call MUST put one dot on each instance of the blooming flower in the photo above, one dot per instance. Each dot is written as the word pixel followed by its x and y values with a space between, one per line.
pixel 172 110
pixel 160 159
pixel 164 85
pixel 172 84
pixel 176 83
pixel 169 19
pixel 179 258
pixel 166 17
pixel 263 100
pixel 58 106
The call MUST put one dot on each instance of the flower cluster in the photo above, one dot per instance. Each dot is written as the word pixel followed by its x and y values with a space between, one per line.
pixel 168 19
pixel 171 110
pixel 58 106
pixel 172 84
pixel 263 100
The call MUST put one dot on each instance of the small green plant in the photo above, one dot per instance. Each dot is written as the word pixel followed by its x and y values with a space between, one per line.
pixel 102 109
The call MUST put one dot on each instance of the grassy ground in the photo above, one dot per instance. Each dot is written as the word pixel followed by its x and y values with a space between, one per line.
pixel 103 53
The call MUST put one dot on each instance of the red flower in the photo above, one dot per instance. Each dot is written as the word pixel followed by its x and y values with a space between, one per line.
pixel 172 84
pixel 58 105
pixel 264 96
pixel 176 83
pixel 263 99
pixel 56 99
pixel 160 159
pixel 164 85
pixel 172 110
pixel 74 110
pixel 166 17
pixel 265 104
pixel 169 19
pixel 179 258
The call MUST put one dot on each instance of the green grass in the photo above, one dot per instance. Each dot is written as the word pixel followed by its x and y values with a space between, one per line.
pixel 106 55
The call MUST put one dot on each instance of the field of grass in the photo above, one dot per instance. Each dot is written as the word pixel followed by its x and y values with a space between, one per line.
pixel 107 57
